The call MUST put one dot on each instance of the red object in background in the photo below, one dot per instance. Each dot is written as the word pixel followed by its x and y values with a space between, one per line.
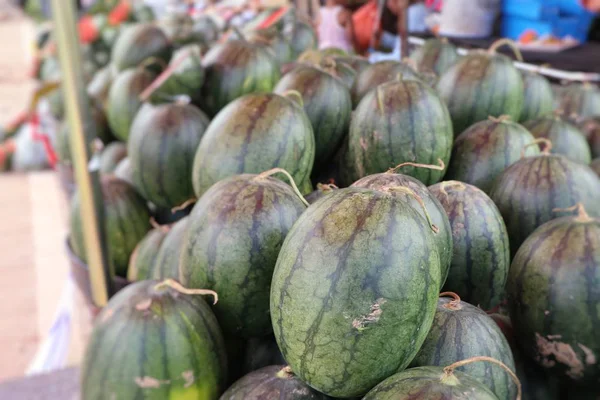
pixel 528 36
pixel 88 32
pixel 435 5
pixel 364 20
pixel 39 136
pixel 120 13
pixel 273 18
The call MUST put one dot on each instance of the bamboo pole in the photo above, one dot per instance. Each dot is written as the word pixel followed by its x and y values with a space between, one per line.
pixel 403 27
pixel 78 113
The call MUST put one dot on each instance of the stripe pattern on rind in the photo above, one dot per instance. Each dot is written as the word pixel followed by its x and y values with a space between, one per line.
pixel 538 97
pixel 582 100
pixel 435 55
pixel 377 74
pixel 142 260
pixel 168 257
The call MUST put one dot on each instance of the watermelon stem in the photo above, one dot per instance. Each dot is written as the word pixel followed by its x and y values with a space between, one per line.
pixel 296 94
pixel 508 42
pixel 444 185
pixel 439 167
pixel 148 62
pixel 455 303
pixel 547 146
pixel 156 225
pixel 500 119
pixel 286 372
pixel 380 105
pixel 173 284
pixel 448 371
pixel 185 205
pixel 273 171
pixel 582 215
pixel 410 192
pixel 326 187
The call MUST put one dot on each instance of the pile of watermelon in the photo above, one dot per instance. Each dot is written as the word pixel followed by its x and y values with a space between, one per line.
pixel 301 224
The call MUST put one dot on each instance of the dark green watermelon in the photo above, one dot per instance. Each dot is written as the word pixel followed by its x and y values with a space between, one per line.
pixel 111 155
pixel 386 181
pixel 275 41
pixel 162 144
pixel 538 97
pixel 127 220
pixel 430 383
pixel 590 127
pixel 582 100
pixel 235 233
pixel 327 104
pixel 322 190
pixel 553 296
pixel 143 258
pixel 154 342
pixel 400 121
pixel 124 171
pixel 566 138
pixel 595 165
pixel 124 100
pixel 168 257
pixel 261 352
pixel 138 43
pixel 480 85
pixel 486 149
pixel 253 134
pixel 377 74
pixel 461 331
pixel 357 63
pixel 528 191
pixel 272 382
pixel 354 290
pixel 481 257
pixel 236 68
pixel 339 69
pixel 303 37
pixel 436 55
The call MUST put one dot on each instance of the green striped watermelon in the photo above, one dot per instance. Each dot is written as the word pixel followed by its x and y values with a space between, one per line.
pixel 111 155
pixel 162 145
pixel 377 74
pixel 253 134
pixel 595 165
pixel 480 85
pixel 275 41
pixel 436 55
pixel 354 290
pixel 486 149
pixel 582 100
pixel 529 190
pixel 400 121
pixel 123 171
pixel 327 104
pixel 538 97
pixel 168 257
pixel 235 233
pixel 143 259
pixel 123 100
pixel 591 130
pixel 272 382
pixel 99 86
pixel 357 63
pixel 461 331
pixel 554 297
pixel 566 138
pixel 303 37
pixel 481 257
pixel 127 220
pixel 430 383
pixel 138 43
pixel 152 341
pixel 236 68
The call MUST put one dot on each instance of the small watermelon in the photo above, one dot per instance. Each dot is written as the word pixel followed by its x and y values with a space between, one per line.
pixel 154 341
pixel 303 37
pixel 486 149
pixel 400 121
pixel 272 382
pixel 436 55
pixel 162 145
pixel 168 257
pixel 591 130
pixel 582 100
pixel 127 220
pixel 461 331
pixel 566 138
pixel 235 233
pixel 253 134
pixel 553 296
pixel 354 290
pixel 138 43
pixel 377 74
pixel 143 258
pixel 111 155
pixel 481 257
pixel 538 97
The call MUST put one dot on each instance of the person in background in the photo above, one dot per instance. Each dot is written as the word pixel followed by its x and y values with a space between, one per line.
pixel 335 27
pixel 308 11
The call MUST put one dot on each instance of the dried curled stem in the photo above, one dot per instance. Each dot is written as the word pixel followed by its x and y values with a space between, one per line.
pixel 455 303
pixel 506 42
pixel 410 192
pixel 156 225
pixel 297 97
pixel 173 284
pixel 582 215
pixel 380 103
pixel 546 142
pixel 500 119
pixel 184 205
pixel 274 171
pixel 447 184
pixel 440 167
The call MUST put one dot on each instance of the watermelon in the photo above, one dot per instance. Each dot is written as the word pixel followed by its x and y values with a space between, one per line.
pixel 327 104
pixel 236 68
pixel 261 352
pixel 481 256
pixel 138 43
pixel 123 100
pixel 111 155
pixel 178 27
pixel 538 97
pixel 590 127
pixel 400 121
pixel 235 233
pixel 436 55
pixel 480 85
pixel 186 78
pixel 323 189
pixel 272 382
pixel 123 170
pixel 154 341
pixel 460 331
pixel 582 100
pixel 253 134
pixel 303 37
pixel 205 30
pixel 553 296
pixel 430 383
pixel 486 149
pixel 354 290
pixel 435 211
pixel 275 41
pixel 595 165
pixel 167 258
pixel 339 69
pixel 143 258
pixel 378 73
pixel 126 222
pixel 566 138
pixel 528 191
pixel 162 145
pixel 99 86
pixel 357 63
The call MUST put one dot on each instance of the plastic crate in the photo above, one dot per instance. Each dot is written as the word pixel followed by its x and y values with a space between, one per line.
pixel 531 9
pixel 574 26
pixel 572 7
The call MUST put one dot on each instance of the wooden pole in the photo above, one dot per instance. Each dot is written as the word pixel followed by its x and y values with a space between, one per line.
pixel 403 27
pixel 78 114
